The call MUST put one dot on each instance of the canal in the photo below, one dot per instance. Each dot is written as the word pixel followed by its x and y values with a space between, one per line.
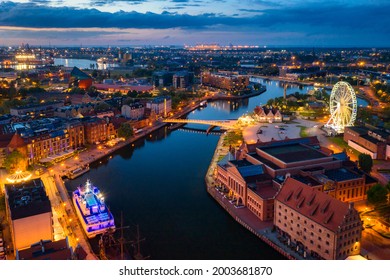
pixel 158 184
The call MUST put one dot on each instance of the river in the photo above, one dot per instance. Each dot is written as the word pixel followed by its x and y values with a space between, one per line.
pixel 158 184
pixel 83 63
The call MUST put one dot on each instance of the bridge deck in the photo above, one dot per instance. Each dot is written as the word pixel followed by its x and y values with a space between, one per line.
pixel 229 124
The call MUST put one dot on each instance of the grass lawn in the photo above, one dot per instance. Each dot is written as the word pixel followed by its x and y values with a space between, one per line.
pixel 303 132
pixel 342 144
pixel 233 138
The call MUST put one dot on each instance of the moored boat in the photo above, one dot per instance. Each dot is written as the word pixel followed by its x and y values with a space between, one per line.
pixel 93 213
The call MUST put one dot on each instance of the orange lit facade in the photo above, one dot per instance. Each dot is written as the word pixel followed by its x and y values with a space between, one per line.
pixel 247 185
pixel 29 213
pixel 51 145
pixel 95 131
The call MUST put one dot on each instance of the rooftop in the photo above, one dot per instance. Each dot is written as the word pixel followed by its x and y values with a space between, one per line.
pixel 371 139
pixel 341 156
pixel 241 163
pixel 266 191
pixel 248 171
pixel 47 250
pixel 77 73
pixel 264 160
pixel 293 153
pixel 306 180
pixel 319 207
pixel 27 199
pixel 361 130
pixel 382 133
pixel 341 174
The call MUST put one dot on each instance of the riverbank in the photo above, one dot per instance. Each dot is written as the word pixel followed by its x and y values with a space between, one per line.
pixel 237 97
pixel 280 79
pixel 263 230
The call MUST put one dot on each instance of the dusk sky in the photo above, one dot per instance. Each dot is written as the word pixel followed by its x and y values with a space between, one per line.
pixel 343 23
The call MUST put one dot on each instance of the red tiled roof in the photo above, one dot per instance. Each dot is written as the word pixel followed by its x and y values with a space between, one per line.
pixel 16 142
pixel 323 209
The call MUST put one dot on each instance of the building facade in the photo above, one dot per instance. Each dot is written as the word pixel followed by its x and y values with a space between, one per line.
pixel 95 130
pixel 315 223
pixel 225 80
pixel 160 105
pixel 29 212
pixel 133 111
pixel 369 141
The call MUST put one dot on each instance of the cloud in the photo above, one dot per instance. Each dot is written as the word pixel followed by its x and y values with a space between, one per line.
pixel 251 10
pixel 364 23
pixel 99 3
pixel 317 16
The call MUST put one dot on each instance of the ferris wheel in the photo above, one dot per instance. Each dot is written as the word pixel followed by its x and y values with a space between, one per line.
pixel 342 106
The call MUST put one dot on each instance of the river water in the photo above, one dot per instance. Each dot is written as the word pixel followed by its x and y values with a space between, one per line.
pixel 158 184
pixel 83 63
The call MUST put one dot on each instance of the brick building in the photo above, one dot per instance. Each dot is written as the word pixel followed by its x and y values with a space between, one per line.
pixel 253 176
pixel 225 80
pixel 369 141
pixel 95 130
pixel 316 223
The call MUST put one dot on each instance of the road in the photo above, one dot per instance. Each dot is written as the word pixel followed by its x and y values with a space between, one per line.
pixel 65 221
pixel 373 99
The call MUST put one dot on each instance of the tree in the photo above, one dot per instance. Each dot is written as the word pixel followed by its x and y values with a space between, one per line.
pixel 365 162
pixel 377 194
pixel 13 160
pixel 102 106
pixel 270 102
pixel 125 131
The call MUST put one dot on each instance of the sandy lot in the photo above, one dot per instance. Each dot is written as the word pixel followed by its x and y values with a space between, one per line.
pixel 280 131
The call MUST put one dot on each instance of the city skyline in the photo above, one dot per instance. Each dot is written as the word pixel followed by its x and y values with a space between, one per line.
pixel 180 22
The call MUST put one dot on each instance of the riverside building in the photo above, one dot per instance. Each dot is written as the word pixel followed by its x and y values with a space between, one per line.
pixel 225 80
pixel 315 223
pixel 255 174
pixel 29 212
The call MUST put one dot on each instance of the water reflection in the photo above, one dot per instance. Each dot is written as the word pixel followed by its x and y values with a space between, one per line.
pixel 84 63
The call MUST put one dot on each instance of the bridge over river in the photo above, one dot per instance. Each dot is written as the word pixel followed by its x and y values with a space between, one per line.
pixel 226 124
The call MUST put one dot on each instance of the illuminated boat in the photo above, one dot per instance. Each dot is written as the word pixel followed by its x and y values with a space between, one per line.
pixel 94 215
